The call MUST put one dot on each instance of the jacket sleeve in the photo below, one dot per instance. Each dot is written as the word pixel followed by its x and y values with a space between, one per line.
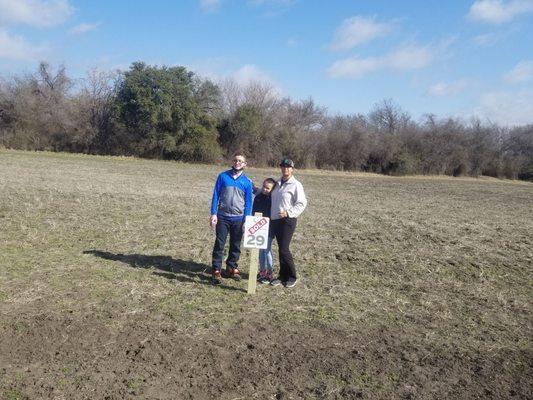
pixel 300 202
pixel 248 199
pixel 216 195
pixel 255 204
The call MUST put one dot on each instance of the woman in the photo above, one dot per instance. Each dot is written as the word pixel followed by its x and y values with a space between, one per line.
pixel 288 202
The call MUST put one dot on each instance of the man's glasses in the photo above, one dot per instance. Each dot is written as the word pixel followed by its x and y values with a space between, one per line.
pixel 239 161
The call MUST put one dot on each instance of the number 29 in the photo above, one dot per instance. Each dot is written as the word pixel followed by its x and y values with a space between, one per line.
pixel 255 240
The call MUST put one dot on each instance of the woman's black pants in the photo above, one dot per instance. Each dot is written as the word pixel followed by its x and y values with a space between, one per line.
pixel 282 230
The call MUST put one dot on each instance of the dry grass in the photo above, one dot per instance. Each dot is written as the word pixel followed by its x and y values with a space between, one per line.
pixel 448 261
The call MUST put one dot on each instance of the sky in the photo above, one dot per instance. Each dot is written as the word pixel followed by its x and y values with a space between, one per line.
pixel 454 58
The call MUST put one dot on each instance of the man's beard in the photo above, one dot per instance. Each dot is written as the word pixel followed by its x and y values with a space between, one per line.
pixel 235 170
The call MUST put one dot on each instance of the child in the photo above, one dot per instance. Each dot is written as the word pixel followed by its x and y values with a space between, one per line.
pixel 262 204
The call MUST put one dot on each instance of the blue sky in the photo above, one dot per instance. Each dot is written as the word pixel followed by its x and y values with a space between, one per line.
pixel 451 58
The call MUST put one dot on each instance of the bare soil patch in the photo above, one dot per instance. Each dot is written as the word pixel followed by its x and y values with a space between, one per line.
pixel 81 358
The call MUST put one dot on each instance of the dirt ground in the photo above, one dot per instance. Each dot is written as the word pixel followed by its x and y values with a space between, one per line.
pixel 409 288
pixel 80 358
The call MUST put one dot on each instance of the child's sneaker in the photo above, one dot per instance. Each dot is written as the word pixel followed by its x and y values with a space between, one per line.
pixel 267 277
pixel 264 280
pixel 260 276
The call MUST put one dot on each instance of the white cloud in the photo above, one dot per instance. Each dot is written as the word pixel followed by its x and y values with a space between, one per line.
pixel 84 28
pixel 34 12
pixel 443 89
pixel 213 5
pixel 507 108
pixel 354 67
pixel 221 69
pixel 357 30
pixel 487 39
pixel 17 48
pixel 522 72
pixel 292 42
pixel 250 73
pixel 403 58
pixel 209 5
pixel 213 68
pixel 271 2
pixel 498 11
pixel 410 57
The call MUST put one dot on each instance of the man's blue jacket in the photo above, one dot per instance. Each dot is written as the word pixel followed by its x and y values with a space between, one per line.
pixel 232 198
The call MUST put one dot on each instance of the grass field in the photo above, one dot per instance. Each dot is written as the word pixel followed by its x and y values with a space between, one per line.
pixel 411 288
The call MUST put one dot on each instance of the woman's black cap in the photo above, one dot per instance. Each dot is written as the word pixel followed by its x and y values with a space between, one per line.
pixel 286 162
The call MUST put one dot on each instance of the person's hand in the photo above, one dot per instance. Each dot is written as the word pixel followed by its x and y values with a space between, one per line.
pixel 283 214
pixel 213 221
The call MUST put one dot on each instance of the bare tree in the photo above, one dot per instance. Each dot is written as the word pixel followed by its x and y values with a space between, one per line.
pixel 344 143
pixel 299 127
pixel 231 96
pixel 94 105
pixel 388 117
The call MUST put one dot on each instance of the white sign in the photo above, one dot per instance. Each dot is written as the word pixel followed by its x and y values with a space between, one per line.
pixel 256 232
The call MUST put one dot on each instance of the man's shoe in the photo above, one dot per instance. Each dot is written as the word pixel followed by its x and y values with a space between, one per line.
pixel 234 273
pixel 275 282
pixel 215 279
pixel 290 283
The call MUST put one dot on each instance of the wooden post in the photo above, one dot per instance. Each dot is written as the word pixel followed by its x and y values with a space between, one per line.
pixel 254 263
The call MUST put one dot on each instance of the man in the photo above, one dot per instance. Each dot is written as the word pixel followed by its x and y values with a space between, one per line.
pixel 231 203
pixel 288 202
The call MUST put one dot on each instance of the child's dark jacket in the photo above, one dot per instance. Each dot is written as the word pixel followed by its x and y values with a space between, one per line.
pixel 262 204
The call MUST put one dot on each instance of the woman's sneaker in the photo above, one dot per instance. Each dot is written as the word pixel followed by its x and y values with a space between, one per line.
pixel 276 282
pixel 291 282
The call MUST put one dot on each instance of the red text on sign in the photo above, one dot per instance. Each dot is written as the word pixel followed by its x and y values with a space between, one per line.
pixel 262 222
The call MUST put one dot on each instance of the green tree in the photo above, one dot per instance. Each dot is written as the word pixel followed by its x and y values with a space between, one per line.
pixel 160 110
pixel 244 131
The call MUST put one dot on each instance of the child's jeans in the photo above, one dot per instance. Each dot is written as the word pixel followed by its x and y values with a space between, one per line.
pixel 265 258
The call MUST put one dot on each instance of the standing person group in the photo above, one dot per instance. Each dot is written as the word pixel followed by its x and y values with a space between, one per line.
pixel 283 201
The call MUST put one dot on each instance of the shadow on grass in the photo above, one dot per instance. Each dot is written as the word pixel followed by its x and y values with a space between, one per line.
pixel 174 269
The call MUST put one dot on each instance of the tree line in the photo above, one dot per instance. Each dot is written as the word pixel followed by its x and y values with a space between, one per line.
pixel 171 113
